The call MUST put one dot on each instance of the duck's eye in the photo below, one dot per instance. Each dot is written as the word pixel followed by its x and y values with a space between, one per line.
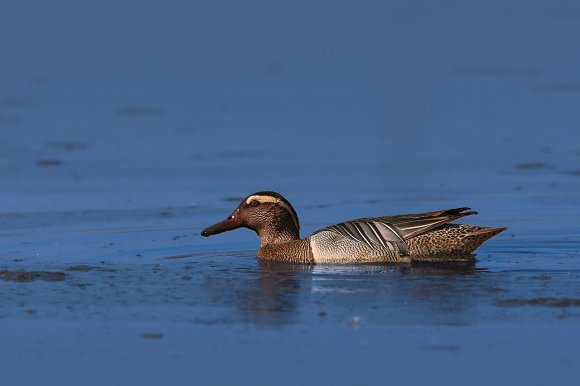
pixel 255 203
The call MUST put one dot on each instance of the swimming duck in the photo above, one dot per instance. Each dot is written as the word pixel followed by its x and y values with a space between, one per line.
pixel 402 238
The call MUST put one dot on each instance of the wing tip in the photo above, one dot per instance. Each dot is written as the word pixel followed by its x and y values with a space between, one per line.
pixel 463 211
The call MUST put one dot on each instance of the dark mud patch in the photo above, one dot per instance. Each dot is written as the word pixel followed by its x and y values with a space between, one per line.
pixel 542 277
pixel 44 163
pixel 533 166
pixel 175 257
pixel 81 285
pixel 80 268
pixel 27 276
pixel 152 335
pixel 493 289
pixel 138 111
pixel 88 268
pixel 547 302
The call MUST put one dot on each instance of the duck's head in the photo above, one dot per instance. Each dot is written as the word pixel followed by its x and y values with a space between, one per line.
pixel 269 214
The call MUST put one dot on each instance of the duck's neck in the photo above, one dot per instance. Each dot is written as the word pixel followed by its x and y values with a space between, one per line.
pixel 278 233
pixel 293 251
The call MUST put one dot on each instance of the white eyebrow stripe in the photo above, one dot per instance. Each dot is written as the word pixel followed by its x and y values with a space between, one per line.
pixel 262 199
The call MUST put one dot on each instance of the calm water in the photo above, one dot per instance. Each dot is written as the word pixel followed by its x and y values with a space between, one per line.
pixel 127 127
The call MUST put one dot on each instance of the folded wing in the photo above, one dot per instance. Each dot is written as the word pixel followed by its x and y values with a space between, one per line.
pixel 386 230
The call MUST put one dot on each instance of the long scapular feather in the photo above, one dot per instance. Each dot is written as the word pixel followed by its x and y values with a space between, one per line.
pixel 412 225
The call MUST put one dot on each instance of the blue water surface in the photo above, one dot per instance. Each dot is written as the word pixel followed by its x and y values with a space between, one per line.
pixel 126 127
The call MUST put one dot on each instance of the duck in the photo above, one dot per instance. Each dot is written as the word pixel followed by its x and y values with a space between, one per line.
pixel 405 238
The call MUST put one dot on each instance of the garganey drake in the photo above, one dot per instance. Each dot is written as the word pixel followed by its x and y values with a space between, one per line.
pixel 403 238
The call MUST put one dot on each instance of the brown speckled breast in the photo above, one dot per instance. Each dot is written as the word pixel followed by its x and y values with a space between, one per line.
pixel 295 251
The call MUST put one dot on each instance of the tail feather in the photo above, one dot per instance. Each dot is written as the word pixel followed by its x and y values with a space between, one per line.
pixel 450 240
pixel 489 232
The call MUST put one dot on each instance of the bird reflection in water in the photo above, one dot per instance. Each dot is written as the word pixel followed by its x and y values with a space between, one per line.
pixel 273 296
